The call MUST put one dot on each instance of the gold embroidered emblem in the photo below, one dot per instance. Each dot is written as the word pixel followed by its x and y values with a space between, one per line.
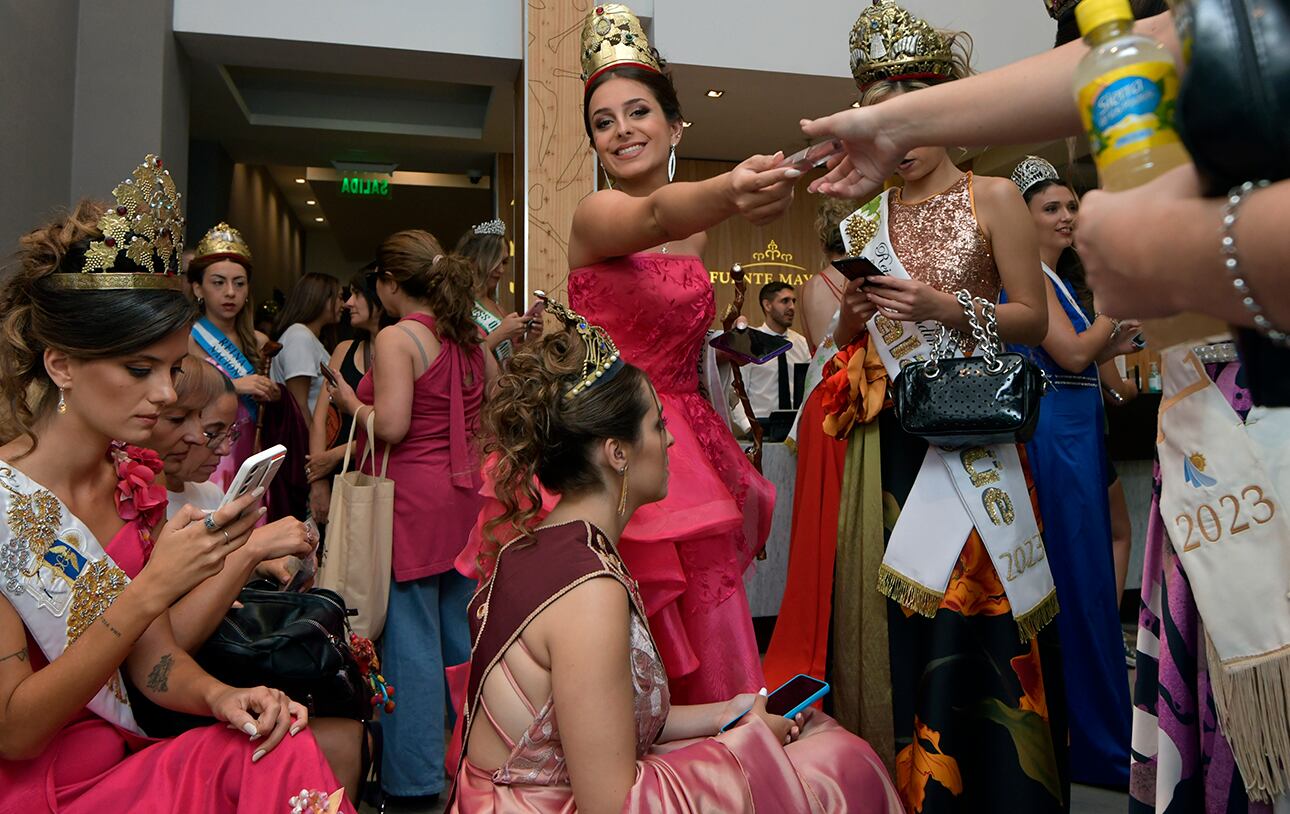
pixel 860 230
pixel 34 520
pixel 96 589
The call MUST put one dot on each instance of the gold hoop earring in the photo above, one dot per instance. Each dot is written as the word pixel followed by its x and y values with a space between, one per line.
pixel 62 403
pixel 622 495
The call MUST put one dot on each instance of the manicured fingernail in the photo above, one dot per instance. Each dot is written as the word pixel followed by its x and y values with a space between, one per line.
pixel 249 728
pixel 792 173
pixel 294 730
pixel 255 758
pixel 762 691
pixel 255 737
pixel 259 490
pixel 263 509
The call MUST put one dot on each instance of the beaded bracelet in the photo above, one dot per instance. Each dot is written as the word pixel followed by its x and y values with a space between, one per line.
pixel 1227 245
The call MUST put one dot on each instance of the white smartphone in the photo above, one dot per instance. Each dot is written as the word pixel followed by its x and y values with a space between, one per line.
pixel 256 471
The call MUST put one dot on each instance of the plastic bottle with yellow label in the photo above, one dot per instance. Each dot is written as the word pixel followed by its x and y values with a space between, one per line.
pixel 1126 87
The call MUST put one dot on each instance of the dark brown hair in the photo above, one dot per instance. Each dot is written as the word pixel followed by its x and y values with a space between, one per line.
pixel 244 322
pixel 84 324
pixel 486 252
pixel 538 436
pixel 309 296
pixel 659 84
pixel 414 259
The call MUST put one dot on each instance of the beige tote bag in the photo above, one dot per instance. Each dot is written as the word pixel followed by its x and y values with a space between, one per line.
pixel 360 533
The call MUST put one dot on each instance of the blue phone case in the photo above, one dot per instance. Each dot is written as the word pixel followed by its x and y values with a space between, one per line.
pixel 811 699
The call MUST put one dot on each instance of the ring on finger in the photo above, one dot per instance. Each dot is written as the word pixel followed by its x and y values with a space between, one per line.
pixel 210 523
pixel 227 539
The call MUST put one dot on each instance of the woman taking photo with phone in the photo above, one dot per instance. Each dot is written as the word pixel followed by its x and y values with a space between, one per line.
pixel 95 341
pixel 220 276
pixel 568 703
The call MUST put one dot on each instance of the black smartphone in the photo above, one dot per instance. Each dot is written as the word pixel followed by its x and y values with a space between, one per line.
pixel 750 345
pixel 817 155
pixel 1139 341
pixel 853 268
pixel 790 698
pixel 327 373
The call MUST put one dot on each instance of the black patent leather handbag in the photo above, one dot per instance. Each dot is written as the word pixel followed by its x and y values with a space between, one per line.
pixel 965 401
pixel 1234 117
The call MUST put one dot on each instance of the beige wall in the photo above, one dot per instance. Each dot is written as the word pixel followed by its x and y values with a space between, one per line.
pixel 257 208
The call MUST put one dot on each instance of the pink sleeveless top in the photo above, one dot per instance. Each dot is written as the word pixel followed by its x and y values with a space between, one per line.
pixel 435 467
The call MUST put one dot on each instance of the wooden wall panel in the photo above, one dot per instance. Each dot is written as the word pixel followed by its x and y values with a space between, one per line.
pixel 559 162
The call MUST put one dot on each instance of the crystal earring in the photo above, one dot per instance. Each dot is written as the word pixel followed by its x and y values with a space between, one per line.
pixel 62 406
pixel 609 182
pixel 671 164
pixel 622 495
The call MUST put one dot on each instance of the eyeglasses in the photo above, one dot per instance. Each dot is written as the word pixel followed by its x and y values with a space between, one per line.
pixel 214 440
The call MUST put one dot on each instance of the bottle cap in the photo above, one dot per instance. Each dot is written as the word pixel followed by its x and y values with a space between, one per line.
pixel 1091 14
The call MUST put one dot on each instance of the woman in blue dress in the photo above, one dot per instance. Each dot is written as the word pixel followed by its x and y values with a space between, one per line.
pixel 1068 460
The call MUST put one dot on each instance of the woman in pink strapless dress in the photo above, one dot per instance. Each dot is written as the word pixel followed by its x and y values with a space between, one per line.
pixel 635 253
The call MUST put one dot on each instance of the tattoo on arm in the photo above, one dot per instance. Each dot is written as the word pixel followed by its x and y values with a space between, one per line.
pixel 109 626
pixel 21 655
pixel 160 675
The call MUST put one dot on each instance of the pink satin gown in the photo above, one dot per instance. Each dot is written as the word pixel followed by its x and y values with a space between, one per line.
pixel 93 766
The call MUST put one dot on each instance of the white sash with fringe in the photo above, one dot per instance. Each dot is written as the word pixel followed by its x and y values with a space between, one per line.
pixel 980 487
pixel 59 579
pixel 1223 491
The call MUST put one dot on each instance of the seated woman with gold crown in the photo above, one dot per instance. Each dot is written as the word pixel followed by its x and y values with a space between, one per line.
pixel 98 326
pixel 568 703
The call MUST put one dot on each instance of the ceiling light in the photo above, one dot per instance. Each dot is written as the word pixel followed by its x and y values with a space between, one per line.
pixel 320 220
pixel 713 93
pixel 310 202
pixel 687 124
pixel 300 180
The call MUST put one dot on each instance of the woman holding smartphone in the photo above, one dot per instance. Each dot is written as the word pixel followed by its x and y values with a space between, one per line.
pixel 487 247
pixel 97 341
pixel 568 703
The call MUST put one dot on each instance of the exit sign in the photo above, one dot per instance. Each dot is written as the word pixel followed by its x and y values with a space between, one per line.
pixel 361 187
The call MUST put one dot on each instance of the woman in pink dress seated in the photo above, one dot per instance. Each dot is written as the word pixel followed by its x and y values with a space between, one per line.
pixel 568 704
pixel 96 326
pixel 635 253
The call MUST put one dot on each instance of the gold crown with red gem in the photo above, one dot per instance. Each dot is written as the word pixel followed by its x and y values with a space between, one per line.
pixel 887 42
pixel 613 36
pixel 146 226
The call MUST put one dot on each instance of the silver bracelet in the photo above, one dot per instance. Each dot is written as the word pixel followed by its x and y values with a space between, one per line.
pixel 1227 246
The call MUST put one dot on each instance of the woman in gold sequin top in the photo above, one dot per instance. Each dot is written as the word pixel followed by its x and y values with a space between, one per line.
pixel 952 651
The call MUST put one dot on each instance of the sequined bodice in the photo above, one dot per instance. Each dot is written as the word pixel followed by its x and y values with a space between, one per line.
pixel 538 756
pixel 939 242
pixel 657 308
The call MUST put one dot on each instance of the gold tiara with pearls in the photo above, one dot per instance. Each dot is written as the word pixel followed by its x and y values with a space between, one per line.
pixel 146 226
pixel 612 36
pixel 223 242
pixel 602 361
pixel 889 43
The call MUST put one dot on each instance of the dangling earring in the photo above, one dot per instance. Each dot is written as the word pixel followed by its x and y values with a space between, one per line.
pixel 201 304
pixel 62 407
pixel 609 182
pixel 671 164
pixel 622 496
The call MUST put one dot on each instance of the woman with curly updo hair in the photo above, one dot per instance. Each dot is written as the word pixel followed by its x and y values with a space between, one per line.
pixel 568 703
pixel 422 394
pixel 93 343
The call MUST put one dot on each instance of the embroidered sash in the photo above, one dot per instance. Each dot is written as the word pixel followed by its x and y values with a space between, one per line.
pixel 980 487
pixel 227 355
pixel 488 322
pixel 1223 487
pixel 58 578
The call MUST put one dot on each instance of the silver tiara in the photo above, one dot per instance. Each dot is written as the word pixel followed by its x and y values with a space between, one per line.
pixel 1031 171
pixel 491 227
